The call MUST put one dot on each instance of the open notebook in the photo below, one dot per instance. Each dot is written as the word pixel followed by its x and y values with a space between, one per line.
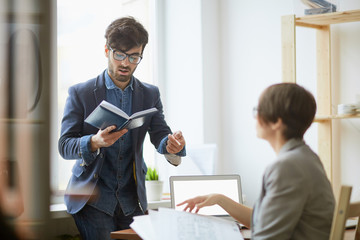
pixel 185 187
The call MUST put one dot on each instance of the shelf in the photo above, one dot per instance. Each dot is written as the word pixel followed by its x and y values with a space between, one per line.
pixel 320 20
pixel 321 23
pixel 331 117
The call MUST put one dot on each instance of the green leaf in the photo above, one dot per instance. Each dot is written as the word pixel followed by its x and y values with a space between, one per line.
pixel 151 174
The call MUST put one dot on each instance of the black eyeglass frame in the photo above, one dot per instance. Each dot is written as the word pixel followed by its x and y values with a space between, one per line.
pixel 129 56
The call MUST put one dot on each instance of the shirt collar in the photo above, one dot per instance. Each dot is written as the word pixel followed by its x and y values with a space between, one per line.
pixel 111 85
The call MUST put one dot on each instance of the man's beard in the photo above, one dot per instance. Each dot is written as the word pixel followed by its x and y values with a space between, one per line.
pixel 120 78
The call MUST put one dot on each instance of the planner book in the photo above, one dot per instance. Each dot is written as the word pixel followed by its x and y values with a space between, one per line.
pixel 107 114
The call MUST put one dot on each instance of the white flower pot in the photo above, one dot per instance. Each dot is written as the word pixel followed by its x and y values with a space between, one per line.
pixel 154 190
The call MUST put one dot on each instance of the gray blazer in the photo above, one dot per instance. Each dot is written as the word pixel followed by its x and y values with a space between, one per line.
pixel 296 200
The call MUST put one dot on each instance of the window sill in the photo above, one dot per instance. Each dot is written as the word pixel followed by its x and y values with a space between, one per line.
pixel 58 211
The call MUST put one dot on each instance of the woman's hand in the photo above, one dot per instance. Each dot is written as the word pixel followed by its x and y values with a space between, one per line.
pixel 199 202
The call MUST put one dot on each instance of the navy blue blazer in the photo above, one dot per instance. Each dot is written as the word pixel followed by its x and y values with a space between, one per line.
pixel 83 99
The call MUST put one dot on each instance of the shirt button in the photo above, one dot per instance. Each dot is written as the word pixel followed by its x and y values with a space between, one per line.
pixel 95 175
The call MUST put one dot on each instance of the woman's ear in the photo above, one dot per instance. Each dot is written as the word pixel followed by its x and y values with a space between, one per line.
pixel 277 125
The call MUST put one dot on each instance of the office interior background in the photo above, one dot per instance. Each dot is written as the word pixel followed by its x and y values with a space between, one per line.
pixel 211 60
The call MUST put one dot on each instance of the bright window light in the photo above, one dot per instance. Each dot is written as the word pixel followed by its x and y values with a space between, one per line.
pixel 81 26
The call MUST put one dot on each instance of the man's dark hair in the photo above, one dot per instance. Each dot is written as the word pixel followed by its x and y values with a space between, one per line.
pixel 126 33
pixel 293 104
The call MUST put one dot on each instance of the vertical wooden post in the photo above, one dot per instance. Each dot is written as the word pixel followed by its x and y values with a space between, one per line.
pixel 288 38
pixel 324 97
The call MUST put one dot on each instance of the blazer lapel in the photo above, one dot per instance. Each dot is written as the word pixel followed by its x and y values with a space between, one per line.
pixel 137 98
pixel 137 105
pixel 100 89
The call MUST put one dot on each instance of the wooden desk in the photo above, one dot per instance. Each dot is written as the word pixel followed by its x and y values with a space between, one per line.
pixel 125 234
pixel 131 234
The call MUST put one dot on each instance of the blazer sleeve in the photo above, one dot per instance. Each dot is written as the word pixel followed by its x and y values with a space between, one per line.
pixel 158 128
pixel 74 142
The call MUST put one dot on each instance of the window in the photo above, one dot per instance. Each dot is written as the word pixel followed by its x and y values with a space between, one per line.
pixel 81 28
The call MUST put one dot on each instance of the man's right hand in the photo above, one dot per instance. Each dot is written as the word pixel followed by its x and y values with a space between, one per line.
pixel 106 138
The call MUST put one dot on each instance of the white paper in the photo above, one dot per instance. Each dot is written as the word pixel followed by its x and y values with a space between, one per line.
pixel 179 225
pixel 143 227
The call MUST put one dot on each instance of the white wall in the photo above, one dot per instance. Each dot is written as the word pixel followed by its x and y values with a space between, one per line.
pixel 181 66
pixel 346 84
pixel 251 60
pixel 239 43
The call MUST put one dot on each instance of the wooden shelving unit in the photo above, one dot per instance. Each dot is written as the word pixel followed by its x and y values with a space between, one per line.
pixel 317 21
pixel 327 118
pixel 322 24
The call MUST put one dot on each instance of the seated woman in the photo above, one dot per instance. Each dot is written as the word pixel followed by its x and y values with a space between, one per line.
pixel 296 199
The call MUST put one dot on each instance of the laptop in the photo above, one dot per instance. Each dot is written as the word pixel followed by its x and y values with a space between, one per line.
pixel 185 187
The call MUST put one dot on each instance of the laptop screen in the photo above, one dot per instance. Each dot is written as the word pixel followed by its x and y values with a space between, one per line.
pixel 185 187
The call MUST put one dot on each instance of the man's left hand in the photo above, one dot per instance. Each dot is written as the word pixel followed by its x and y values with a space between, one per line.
pixel 175 143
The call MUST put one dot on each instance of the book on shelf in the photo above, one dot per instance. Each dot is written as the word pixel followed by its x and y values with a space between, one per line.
pixel 319 7
pixel 107 114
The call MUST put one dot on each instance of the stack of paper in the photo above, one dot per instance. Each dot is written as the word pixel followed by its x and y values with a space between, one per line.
pixel 172 224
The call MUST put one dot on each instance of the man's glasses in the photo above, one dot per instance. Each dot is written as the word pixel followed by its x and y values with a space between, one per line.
pixel 120 56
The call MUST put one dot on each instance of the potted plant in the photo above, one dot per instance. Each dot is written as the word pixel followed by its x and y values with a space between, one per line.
pixel 153 185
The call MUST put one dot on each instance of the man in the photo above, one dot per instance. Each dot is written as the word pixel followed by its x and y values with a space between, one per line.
pixel 110 164
pixel 296 200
